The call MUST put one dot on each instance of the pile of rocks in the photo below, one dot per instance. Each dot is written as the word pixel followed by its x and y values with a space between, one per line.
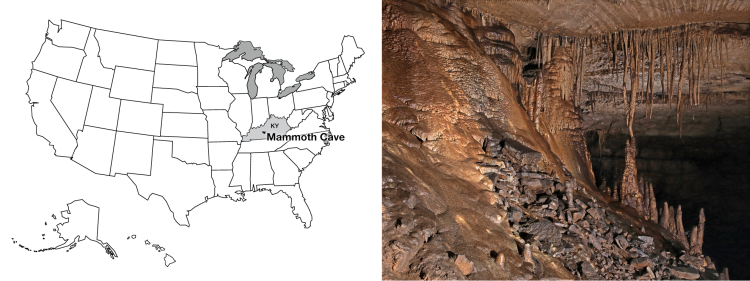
pixel 555 217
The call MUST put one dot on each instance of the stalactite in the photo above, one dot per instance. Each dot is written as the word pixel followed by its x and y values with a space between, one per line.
pixel 582 70
pixel 680 107
pixel 650 72
pixel 721 66
pixel 690 72
pixel 683 54
pixel 633 83
pixel 661 65
pixel 538 50
pixel 701 67
pixel 642 62
pixel 673 65
pixel 615 43
pixel 608 43
pixel 694 58
pixel 625 57
pixel 548 50
pixel 710 60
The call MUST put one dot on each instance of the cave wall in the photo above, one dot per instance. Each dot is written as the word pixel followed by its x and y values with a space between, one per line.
pixel 452 111
pixel 444 99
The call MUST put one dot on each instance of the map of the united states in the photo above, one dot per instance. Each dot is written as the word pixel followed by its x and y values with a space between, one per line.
pixel 187 121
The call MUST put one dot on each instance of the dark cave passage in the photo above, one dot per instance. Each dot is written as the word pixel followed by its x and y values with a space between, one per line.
pixel 710 172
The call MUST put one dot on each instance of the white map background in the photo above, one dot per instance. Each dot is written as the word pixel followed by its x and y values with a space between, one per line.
pixel 258 238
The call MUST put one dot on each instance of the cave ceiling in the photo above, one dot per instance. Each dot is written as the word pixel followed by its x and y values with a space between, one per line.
pixel 597 17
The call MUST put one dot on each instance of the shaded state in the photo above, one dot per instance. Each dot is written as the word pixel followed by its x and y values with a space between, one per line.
pixel 288 90
pixel 307 76
pixel 252 87
pixel 245 50
pixel 274 125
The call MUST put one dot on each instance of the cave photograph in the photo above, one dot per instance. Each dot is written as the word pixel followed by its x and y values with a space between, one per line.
pixel 565 139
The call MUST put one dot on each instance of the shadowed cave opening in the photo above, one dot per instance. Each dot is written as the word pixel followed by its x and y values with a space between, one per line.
pixel 709 171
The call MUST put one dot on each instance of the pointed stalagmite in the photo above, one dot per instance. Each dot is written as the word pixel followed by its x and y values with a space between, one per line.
pixel 724 275
pixel 643 188
pixel 697 247
pixel 652 207
pixel 680 229
pixel 527 255
pixel 672 224
pixel 630 193
pixel 701 228
pixel 693 239
pixel 616 193
pixel 664 219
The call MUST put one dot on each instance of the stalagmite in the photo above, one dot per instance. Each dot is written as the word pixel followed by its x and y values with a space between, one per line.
pixel 616 194
pixel 664 219
pixel 527 255
pixel 500 260
pixel 724 275
pixel 693 240
pixel 680 229
pixel 697 247
pixel 652 207
pixel 672 224
pixel 629 193
pixel 643 188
